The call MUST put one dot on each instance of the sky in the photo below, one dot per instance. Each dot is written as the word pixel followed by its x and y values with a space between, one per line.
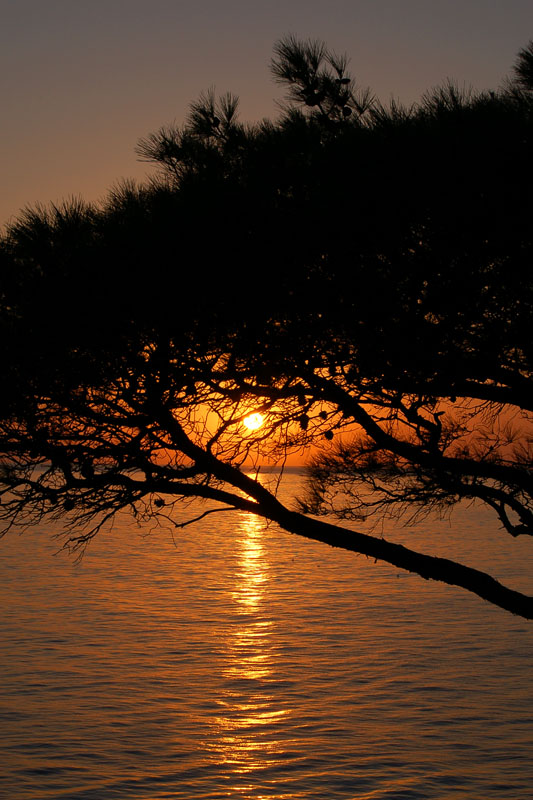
pixel 82 81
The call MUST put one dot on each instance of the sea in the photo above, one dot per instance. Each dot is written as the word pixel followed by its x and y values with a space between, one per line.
pixel 229 659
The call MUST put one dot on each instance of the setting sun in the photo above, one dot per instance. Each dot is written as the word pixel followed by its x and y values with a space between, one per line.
pixel 253 421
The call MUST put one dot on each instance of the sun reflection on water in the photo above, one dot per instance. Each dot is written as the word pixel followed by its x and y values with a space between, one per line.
pixel 247 726
pixel 252 574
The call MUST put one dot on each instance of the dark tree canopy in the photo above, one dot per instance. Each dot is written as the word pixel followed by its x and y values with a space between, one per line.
pixel 391 250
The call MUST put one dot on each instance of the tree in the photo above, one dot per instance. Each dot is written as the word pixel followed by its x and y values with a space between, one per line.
pixel 392 328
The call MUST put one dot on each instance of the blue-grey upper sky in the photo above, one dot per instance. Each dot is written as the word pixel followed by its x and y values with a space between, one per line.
pixel 82 81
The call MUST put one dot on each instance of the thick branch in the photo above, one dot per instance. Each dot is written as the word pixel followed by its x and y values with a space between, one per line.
pixel 428 567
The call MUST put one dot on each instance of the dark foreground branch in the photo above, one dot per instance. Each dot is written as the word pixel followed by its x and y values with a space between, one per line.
pixel 428 567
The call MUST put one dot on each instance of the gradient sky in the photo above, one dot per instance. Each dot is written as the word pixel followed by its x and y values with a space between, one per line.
pixel 82 81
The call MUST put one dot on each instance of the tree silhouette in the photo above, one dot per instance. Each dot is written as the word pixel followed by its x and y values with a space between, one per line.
pixel 358 274
pixel 523 68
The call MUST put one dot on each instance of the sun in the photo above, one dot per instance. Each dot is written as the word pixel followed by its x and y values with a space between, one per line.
pixel 253 421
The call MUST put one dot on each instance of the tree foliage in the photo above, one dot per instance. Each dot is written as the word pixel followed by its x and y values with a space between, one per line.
pixel 390 325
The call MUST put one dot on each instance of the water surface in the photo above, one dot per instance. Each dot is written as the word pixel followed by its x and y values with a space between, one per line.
pixel 231 660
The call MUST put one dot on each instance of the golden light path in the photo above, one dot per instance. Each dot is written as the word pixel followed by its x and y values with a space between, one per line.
pixel 246 740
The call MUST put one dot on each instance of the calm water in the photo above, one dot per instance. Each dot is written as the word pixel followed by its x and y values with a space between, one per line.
pixel 236 661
